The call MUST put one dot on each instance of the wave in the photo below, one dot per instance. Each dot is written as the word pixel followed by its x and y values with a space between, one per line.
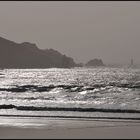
pixel 67 88
pixel 77 117
pixel 2 75
pixel 33 108
pixel 35 88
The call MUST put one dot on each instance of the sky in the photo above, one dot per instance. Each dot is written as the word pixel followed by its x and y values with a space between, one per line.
pixel 84 30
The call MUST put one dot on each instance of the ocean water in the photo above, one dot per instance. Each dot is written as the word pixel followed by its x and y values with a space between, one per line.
pixel 78 93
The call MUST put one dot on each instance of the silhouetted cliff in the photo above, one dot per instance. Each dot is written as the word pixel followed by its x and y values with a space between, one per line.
pixel 28 55
pixel 95 62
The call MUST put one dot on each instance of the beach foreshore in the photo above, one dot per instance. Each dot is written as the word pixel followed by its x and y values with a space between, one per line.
pixel 64 128
pixel 101 132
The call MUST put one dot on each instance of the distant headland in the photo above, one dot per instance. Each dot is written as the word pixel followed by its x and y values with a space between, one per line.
pixel 28 55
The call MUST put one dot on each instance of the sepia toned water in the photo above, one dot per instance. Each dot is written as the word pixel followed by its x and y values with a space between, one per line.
pixel 95 93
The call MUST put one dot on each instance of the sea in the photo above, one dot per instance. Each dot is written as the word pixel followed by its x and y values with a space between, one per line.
pixel 56 97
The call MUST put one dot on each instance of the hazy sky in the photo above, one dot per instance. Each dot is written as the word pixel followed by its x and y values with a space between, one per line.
pixel 109 30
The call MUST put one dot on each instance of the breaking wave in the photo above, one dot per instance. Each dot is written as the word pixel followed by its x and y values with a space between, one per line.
pixel 33 108
pixel 67 88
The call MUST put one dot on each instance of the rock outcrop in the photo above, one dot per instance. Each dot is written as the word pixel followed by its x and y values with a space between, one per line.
pixel 95 62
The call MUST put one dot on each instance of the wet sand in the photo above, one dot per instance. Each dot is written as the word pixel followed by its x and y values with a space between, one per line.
pixel 71 133
pixel 56 128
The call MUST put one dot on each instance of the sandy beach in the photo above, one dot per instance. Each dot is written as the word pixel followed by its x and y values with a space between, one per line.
pixel 128 132
pixel 46 128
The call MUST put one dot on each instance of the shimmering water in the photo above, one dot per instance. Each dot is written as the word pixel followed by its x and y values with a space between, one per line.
pixel 78 92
